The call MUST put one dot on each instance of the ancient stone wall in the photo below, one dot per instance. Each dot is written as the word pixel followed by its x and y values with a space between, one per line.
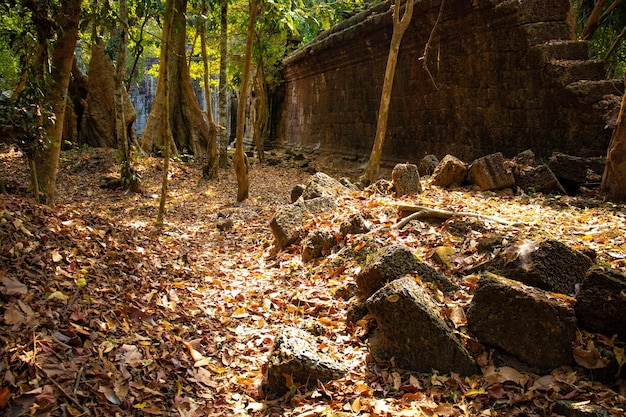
pixel 499 76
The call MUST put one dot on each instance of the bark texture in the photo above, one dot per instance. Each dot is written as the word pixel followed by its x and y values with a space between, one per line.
pixel 47 161
pixel 614 177
pixel 223 102
pixel 190 130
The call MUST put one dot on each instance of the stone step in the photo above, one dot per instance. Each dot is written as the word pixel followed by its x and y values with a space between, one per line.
pixel 590 92
pixel 569 71
pixel 569 50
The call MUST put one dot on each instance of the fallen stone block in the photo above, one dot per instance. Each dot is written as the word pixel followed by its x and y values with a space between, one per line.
pixel 548 264
pixel 354 225
pixel 317 244
pixel 526 322
pixel 538 179
pixel 323 185
pixel 288 221
pixel 450 172
pixel 601 302
pixel 490 173
pixel 526 158
pixel 296 358
pixel 427 165
pixel 411 330
pixel 572 171
pixel 393 262
pixel 406 180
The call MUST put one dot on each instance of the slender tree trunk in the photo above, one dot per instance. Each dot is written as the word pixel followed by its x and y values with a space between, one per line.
pixel 614 177
pixel 594 21
pixel 262 113
pixel 400 26
pixel 223 102
pixel 47 161
pixel 165 121
pixel 191 132
pixel 209 169
pixel 241 160
pixel 128 177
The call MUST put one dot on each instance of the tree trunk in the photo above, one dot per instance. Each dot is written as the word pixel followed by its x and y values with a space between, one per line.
pixel 190 130
pixel 399 27
pixel 614 177
pixel 47 160
pixel 241 160
pixel 261 120
pixel 164 75
pixel 128 176
pixel 209 170
pixel 594 21
pixel 223 102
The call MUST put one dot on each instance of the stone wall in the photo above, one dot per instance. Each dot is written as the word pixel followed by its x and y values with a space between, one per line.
pixel 503 76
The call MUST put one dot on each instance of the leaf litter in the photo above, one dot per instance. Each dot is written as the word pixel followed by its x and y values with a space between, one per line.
pixel 104 315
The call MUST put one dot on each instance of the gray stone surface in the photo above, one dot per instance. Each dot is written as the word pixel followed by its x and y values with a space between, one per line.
pixel 546 264
pixel 601 302
pixel 490 173
pixel 295 353
pixel 317 244
pixel 526 322
pixel 538 179
pixel 427 165
pixel 393 262
pixel 287 222
pixel 323 185
pixel 406 180
pixel 411 330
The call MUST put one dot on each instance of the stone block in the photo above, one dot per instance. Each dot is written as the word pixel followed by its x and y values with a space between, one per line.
pixel 537 179
pixel 601 302
pixel 296 355
pixel 548 264
pixel 323 185
pixel 393 262
pixel 287 222
pixel 450 172
pixel 526 322
pixel 355 224
pixel 411 330
pixel 427 165
pixel 490 173
pixel 317 244
pixel 526 157
pixel 406 180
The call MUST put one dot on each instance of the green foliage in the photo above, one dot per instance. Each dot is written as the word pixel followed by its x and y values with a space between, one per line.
pixel 24 121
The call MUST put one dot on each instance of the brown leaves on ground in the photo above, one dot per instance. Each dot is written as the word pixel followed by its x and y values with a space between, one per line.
pixel 100 314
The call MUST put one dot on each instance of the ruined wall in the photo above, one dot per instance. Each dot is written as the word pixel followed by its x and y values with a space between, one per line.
pixel 505 77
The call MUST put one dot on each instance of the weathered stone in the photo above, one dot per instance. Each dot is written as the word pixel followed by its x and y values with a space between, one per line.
pixel 427 165
pixel 317 244
pixel 411 330
pixel 393 262
pixel 526 322
pixel 296 192
pixel 450 172
pixel 406 179
pixel 537 179
pixel 577 409
pixel 526 157
pixel 490 173
pixel 547 264
pixel 358 251
pixel 601 302
pixel 572 171
pixel 295 354
pixel 501 94
pixel 354 225
pixel 289 220
pixel 322 185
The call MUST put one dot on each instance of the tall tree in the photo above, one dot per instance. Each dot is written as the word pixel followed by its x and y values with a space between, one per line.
pixel 614 177
pixel 240 159
pixel 47 160
pixel 128 176
pixel 211 163
pixel 185 116
pixel 400 26
pixel 223 84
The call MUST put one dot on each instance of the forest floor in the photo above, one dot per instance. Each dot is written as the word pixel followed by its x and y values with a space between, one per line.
pixel 103 314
